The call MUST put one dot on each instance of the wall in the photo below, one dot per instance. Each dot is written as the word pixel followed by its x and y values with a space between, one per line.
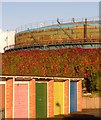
pixel 79 91
pixel 6 38
pixel 2 100
pixel 91 102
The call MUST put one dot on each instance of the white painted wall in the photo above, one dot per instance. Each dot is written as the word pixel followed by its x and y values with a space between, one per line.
pixel 6 38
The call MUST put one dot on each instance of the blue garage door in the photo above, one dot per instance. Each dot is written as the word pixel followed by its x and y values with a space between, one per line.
pixel 73 96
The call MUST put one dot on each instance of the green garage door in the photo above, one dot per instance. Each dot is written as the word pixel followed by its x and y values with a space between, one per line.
pixel 41 100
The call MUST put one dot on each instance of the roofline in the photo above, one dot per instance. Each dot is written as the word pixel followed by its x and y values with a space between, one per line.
pixel 42 77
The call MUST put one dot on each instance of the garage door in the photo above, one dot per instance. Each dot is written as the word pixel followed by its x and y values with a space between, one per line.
pixel 58 98
pixel 73 96
pixel 2 101
pixel 21 101
pixel 41 100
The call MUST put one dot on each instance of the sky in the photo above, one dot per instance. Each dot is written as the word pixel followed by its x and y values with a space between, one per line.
pixel 15 14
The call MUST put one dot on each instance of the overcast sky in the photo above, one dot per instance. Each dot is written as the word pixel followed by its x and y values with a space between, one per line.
pixel 15 14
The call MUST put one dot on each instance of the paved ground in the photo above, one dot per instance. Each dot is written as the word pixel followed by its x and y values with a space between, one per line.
pixel 90 114
pixel 87 114
pixel 95 112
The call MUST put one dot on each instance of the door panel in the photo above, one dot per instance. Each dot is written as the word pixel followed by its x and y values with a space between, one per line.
pixel 58 98
pixel 21 101
pixel 41 100
pixel 73 96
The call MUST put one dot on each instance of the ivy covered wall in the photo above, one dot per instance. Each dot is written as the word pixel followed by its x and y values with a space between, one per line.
pixel 67 62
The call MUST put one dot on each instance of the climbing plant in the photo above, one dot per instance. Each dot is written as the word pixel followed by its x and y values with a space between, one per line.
pixel 67 62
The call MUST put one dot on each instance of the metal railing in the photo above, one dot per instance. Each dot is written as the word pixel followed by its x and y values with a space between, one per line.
pixel 45 24
pixel 49 43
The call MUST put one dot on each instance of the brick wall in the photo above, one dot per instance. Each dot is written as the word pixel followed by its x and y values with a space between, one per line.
pixel 51 98
pixel 66 97
pixel 79 93
pixel 32 98
pixel 9 98
pixel 2 96
pixel 2 100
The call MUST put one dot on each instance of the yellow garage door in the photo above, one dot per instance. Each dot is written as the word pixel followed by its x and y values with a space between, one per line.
pixel 58 98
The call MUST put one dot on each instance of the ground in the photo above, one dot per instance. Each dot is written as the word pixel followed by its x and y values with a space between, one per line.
pixel 87 114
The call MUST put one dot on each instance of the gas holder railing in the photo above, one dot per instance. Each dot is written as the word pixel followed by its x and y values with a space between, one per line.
pixel 46 24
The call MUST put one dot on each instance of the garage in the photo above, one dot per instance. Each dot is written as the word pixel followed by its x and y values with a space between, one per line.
pixel 41 100
pixel 73 96
pixel 20 100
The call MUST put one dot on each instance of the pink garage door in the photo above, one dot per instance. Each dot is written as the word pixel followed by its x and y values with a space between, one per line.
pixel 21 101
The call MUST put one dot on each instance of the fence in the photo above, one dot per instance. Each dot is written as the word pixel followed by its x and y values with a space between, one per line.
pixel 46 24
pixel 91 102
